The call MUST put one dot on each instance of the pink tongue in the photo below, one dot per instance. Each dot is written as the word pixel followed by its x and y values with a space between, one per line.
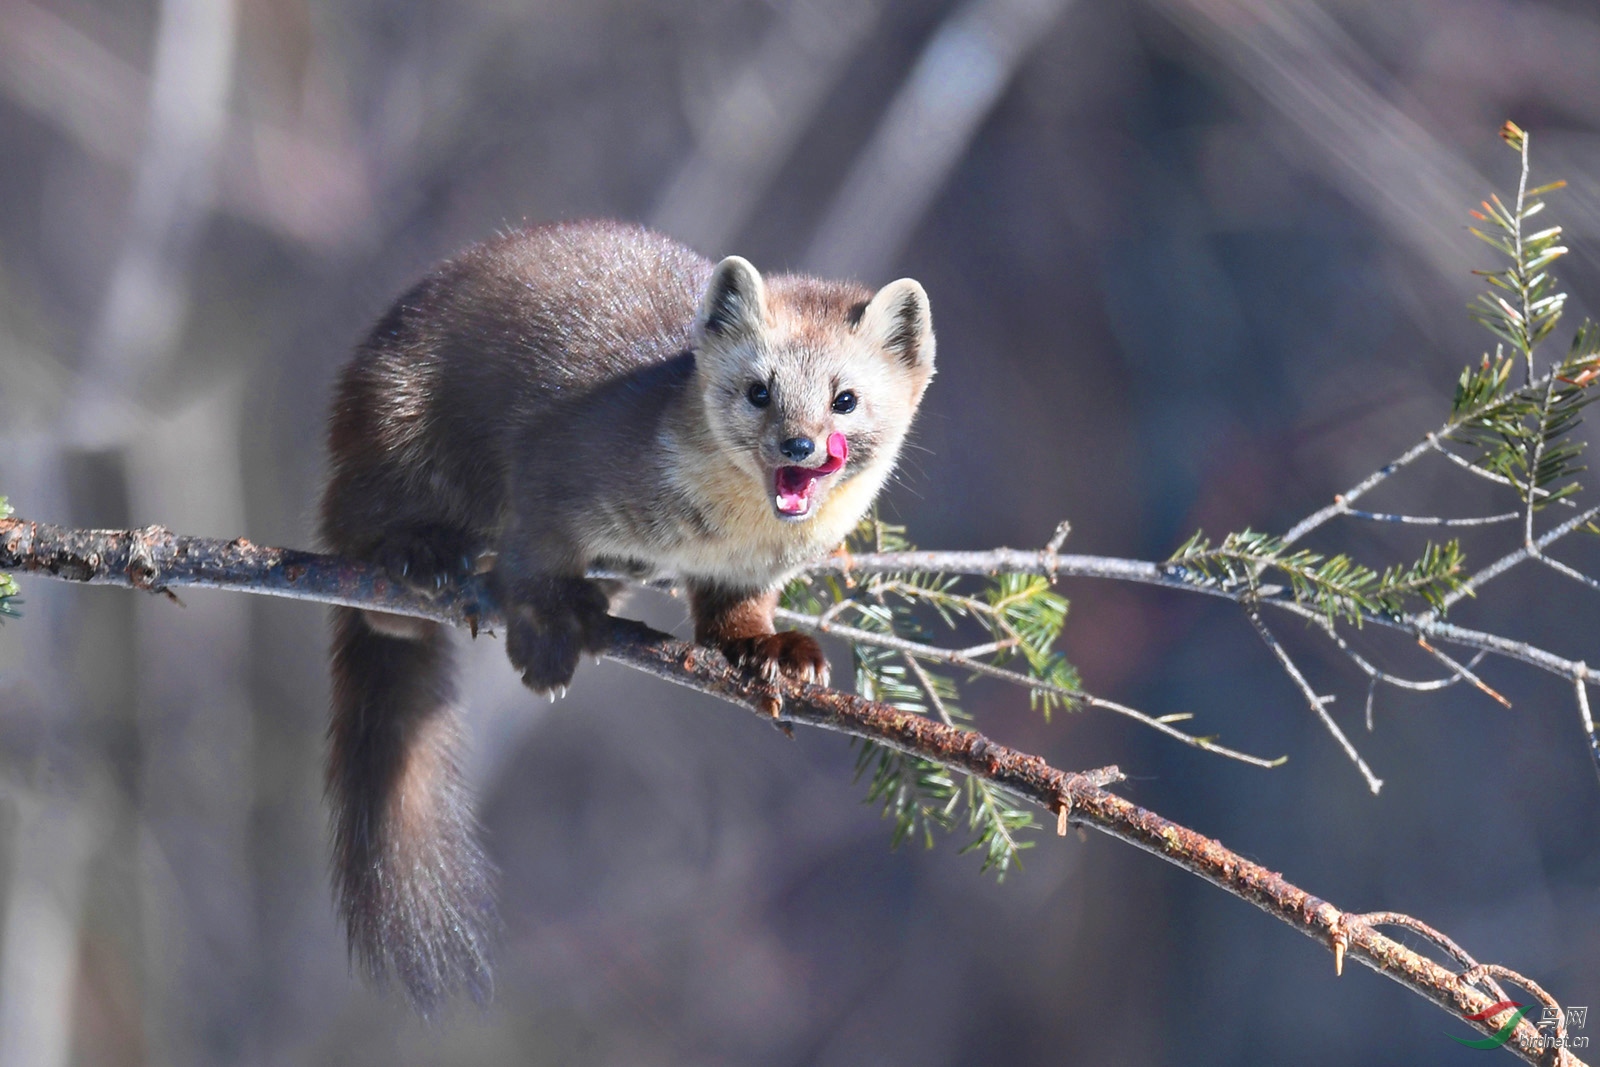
pixel 793 485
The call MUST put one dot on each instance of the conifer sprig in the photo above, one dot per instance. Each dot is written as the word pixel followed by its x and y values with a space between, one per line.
pixel 1523 434
pixel 1336 586
pixel 1021 615
pixel 1522 305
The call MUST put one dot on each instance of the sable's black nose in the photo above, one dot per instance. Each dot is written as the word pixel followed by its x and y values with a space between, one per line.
pixel 797 448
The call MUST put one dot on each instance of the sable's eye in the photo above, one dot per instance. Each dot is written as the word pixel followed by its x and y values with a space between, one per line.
pixel 845 402
pixel 758 395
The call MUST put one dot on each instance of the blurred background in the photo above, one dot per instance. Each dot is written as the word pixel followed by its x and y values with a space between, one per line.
pixel 1193 263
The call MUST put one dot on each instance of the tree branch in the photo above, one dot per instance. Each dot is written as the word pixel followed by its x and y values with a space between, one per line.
pixel 157 560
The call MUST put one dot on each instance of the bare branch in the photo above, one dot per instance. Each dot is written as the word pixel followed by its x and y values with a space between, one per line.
pixel 1377 674
pixel 1588 721
pixel 1433 520
pixel 1570 572
pixel 157 560
pixel 1465 672
pixel 1342 502
pixel 1318 704
pixel 1511 559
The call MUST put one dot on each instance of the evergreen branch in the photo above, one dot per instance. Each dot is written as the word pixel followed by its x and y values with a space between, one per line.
pixel 155 559
pixel 1023 616
pixel 916 793
pixel 996 819
pixel 1534 307
pixel 1337 585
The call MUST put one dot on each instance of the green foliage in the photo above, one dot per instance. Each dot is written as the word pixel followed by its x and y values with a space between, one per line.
pixel 1523 433
pixel 1522 305
pixel 917 793
pixel 1028 610
pixel 1022 617
pixel 8 585
pixel 1337 586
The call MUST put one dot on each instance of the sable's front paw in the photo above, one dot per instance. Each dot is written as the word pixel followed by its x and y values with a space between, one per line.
pixel 795 656
pixel 551 628
pixel 545 656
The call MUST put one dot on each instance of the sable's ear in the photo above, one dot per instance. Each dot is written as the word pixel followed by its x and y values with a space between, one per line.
pixel 899 319
pixel 735 303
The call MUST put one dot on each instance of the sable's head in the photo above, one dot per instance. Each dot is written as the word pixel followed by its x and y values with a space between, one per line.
pixel 809 384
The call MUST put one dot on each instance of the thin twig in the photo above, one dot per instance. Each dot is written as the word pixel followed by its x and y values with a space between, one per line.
pixel 1588 722
pixel 1342 502
pixel 1471 586
pixel 1571 572
pixel 1417 926
pixel 1378 674
pixel 927 687
pixel 1465 672
pixel 1317 703
pixel 1522 283
pixel 1023 561
pixel 1536 448
pixel 1432 520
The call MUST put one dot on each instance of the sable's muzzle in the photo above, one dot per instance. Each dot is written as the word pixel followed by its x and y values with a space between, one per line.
pixel 794 487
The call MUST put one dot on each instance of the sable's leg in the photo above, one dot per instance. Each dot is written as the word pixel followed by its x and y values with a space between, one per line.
pixel 551 621
pixel 739 622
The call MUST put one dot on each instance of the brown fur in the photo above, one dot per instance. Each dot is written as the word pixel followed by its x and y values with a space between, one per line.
pixel 570 396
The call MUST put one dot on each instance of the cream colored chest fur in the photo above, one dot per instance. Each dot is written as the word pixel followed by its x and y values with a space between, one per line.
pixel 748 545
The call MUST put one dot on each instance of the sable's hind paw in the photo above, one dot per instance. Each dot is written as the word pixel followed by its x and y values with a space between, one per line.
pixel 794 656
pixel 428 557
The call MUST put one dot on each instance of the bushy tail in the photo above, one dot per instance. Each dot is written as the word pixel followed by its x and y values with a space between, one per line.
pixel 414 887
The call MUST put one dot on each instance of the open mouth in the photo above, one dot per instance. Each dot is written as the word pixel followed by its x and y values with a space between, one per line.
pixel 795 487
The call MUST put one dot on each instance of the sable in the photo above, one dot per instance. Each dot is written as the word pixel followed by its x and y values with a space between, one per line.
pixel 587 395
